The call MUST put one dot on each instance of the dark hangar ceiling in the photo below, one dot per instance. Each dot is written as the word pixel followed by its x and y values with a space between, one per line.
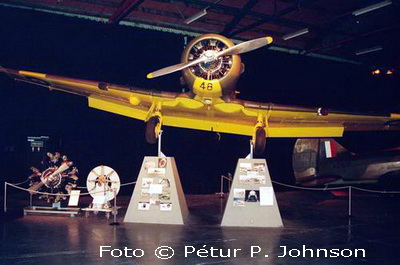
pixel 329 29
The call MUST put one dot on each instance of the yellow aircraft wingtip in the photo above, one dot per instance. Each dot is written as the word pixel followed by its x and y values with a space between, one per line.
pixel 269 39
pixel 149 76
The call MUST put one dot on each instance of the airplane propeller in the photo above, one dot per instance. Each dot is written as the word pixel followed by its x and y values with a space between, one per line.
pixel 212 55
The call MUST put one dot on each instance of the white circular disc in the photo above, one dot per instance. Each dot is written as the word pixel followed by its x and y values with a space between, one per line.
pixel 103 181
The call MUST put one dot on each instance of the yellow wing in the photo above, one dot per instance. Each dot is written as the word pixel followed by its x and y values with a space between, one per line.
pixel 237 117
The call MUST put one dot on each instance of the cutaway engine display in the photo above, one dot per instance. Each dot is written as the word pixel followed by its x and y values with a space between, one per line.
pixel 103 181
pixel 214 67
pixel 58 176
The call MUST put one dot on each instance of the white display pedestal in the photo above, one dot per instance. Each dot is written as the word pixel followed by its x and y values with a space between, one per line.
pixel 158 195
pixel 252 201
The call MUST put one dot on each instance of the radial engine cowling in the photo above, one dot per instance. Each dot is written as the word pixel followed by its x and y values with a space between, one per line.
pixel 217 77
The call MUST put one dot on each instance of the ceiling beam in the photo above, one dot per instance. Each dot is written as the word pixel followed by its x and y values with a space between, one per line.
pixel 97 2
pixel 233 11
pixel 322 32
pixel 235 21
pixel 265 20
pixel 126 7
pixel 326 28
pixel 148 26
pixel 304 4
pixel 351 39
pixel 212 22
pixel 276 17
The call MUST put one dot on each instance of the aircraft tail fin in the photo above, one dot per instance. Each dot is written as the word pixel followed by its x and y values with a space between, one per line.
pixel 329 148
pixel 309 154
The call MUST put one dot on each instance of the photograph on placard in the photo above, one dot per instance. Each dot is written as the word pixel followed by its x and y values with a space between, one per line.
pixel 261 167
pixel 145 192
pixel 252 195
pixel 252 179
pixel 244 167
pixel 162 162
pixel 149 164
pixel 144 206
pixel 165 196
pixel 146 182
pixel 165 182
pixel 238 197
pixel 166 207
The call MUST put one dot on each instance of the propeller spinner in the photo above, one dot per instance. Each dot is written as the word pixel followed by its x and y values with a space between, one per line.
pixel 212 56
pixel 213 67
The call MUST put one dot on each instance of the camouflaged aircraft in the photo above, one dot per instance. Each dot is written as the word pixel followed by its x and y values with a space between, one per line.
pixel 324 162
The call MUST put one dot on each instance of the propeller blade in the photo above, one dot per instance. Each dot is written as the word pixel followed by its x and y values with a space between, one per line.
pixel 61 169
pixel 237 49
pixel 175 68
pixel 246 46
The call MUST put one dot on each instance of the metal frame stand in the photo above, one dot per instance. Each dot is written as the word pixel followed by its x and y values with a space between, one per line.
pixel 250 155
pixel 115 210
pixel 349 235
pixel 159 152
pixel 5 197
pixel 350 209
pixel 55 209
pixel 229 178
pixel 72 212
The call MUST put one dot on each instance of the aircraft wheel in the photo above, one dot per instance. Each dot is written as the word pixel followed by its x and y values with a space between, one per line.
pixel 151 125
pixel 259 145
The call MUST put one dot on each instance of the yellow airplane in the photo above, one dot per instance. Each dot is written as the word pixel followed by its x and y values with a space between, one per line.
pixel 211 66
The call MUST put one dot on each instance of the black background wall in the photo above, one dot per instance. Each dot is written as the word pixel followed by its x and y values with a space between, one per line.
pixel 122 55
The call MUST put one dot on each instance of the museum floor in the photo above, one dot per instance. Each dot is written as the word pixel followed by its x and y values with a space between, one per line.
pixel 317 220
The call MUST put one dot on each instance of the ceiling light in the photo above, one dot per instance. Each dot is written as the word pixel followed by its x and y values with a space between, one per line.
pixel 371 8
pixel 295 34
pixel 369 50
pixel 376 72
pixel 389 71
pixel 196 16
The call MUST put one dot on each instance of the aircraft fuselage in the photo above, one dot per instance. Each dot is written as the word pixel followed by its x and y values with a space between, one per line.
pixel 358 168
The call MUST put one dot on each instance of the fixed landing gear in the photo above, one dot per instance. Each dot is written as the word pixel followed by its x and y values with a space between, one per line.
pixel 259 142
pixel 153 131
pixel 259 136
pixel 153 126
